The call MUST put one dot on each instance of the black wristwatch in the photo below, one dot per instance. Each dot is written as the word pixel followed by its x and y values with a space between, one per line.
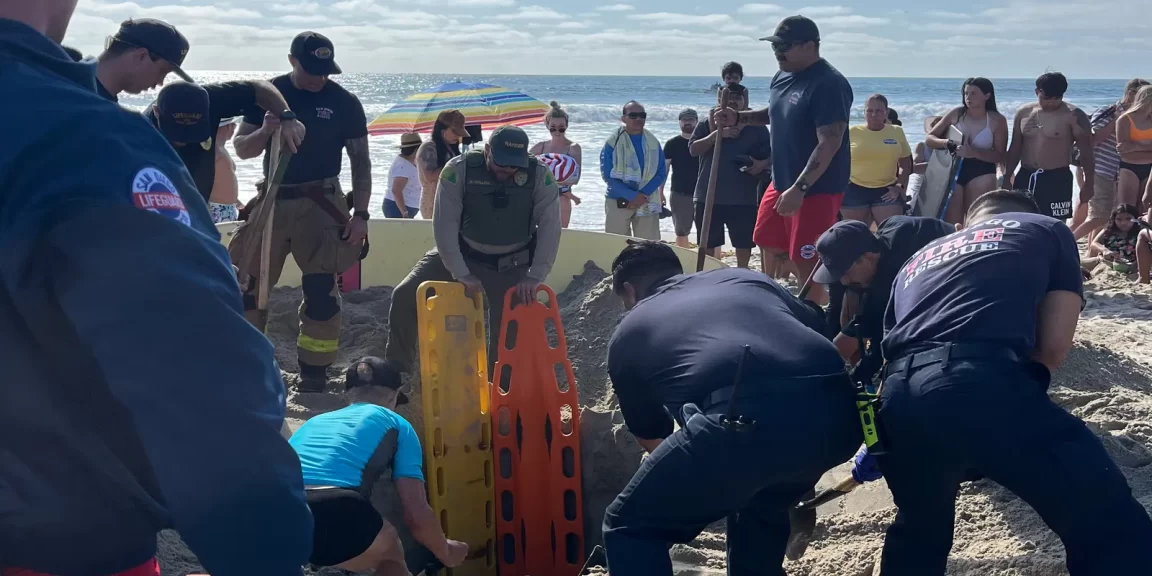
pixel 361 214
pixel 287 115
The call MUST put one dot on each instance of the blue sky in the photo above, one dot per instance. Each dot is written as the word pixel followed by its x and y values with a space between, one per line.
pixel 1082 38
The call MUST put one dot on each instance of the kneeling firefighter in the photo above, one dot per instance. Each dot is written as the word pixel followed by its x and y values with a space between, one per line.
pixel 497 225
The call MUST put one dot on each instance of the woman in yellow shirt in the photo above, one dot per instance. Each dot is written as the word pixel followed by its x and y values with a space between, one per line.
pixel 881 165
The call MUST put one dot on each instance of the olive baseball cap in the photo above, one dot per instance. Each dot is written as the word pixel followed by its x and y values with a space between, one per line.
pixel 795 30
pixel 840 247
pixel 158 37
pixel 509 146
pixel 315 53
pixel 373 371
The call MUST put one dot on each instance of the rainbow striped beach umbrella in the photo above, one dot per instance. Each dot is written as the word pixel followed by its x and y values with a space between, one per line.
pixel 481 104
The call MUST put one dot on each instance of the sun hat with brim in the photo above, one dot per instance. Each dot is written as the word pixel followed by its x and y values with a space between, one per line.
pixel 373 371
pixel 410 139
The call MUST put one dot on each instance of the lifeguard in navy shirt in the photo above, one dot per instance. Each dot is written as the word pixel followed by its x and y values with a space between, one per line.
pixel 976 323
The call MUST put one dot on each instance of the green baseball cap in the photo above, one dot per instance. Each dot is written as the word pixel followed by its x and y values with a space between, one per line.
pixel 509 146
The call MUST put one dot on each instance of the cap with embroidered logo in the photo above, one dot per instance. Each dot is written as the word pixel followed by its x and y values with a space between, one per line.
pixel 315 53
pixel 509 146
pixel 182 113
pixel 158 37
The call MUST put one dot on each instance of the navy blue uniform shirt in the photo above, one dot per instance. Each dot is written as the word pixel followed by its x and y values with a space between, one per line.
pixel 135 396
pixel 685 341
pixel 800 102
pixel 982 285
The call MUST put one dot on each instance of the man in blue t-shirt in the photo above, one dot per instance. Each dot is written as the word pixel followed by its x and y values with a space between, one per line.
pixel 343 454
pixel 739 366
pixel 977 322
pixel 808 111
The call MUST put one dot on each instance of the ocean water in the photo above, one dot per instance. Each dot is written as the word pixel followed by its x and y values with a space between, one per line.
pixel 594 104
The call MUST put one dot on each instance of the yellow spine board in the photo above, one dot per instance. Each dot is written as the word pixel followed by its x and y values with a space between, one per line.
pixel 457 420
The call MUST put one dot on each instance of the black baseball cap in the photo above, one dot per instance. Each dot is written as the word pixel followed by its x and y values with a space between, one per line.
pixel 840 247
pixel 795 30
pixel 373 371
pixel 160 38
pixel 183 114
pixel 315 53
pixel 509 146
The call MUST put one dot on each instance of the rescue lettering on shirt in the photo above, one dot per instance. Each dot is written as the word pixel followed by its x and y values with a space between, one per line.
pixel 983 239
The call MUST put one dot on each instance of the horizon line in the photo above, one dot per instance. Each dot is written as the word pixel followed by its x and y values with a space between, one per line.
pixel 473 74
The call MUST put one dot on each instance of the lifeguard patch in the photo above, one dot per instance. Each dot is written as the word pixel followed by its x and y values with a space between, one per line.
pixel 808 252
pixel 154 192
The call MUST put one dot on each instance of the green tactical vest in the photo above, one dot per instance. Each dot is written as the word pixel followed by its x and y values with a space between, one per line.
pixel 497 213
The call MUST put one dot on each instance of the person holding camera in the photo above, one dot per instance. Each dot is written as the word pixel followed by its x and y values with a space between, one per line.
pixel 744 160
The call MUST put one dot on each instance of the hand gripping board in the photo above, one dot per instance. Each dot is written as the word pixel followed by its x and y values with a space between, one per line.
pixel 539 520
pixel 457 423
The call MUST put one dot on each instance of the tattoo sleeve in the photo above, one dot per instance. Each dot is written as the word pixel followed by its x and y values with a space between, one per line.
pixel 426 157
pixel 828 140
pixel 361 162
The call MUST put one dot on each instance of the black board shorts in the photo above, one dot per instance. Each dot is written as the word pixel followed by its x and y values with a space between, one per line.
pixel 740 221
pixel 1050 189
pixel 344 525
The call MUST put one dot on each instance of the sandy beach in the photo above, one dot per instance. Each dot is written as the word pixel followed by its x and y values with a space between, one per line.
pixel 1107 381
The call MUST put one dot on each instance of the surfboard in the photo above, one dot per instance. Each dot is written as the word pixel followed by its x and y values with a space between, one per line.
pixel 939 179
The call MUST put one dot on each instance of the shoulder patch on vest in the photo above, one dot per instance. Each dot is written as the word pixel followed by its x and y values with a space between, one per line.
pixel 448 174
pixel 153 191
pixel 548 179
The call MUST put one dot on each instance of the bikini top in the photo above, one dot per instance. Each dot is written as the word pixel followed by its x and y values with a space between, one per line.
pixel 983 139
pixel 1138 134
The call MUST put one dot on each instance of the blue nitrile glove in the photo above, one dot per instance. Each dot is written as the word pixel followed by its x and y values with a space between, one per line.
pixel 864 468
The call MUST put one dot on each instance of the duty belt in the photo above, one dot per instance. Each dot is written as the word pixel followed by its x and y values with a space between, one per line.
pixel 955 351
pixel 493 260
pixel 306 189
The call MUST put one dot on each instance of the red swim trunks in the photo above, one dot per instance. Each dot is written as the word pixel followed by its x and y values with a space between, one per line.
pixel 795 235
pixel 149 568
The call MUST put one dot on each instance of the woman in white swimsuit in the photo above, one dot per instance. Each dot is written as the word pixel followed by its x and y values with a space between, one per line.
pixel 557 122
pixel 985 144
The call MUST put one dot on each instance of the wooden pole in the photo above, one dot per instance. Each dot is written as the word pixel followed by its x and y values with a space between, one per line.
pixel 710 201
pixel 262 285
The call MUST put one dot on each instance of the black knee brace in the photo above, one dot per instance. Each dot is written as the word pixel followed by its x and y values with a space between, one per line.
pixel 319 303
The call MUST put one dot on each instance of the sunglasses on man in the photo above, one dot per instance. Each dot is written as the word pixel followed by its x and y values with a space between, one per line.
pixel 637 115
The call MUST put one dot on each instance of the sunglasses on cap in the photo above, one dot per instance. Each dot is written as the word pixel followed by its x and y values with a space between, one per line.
pixel 637 115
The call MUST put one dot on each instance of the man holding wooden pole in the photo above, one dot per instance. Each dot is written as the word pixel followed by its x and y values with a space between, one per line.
pixel 311 219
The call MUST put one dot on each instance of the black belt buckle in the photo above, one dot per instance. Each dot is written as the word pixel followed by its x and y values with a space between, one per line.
pixel 513 260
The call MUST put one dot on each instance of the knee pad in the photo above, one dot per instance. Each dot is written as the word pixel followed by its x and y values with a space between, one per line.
pixel 320 303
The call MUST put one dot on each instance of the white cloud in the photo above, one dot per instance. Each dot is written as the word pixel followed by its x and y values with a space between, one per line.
pixel 302 7
pixel 675 19
pixel 572 26
pixel 172 12
pixel 851 21
pixel 305 19
pixel 760 9
pixel 617 8
pixel 818 11
pixel 947 15
pixel 533 13
pixel 988 42
pixel 481 2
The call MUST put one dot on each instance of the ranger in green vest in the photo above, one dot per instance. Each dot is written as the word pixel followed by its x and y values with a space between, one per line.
pixel 497 224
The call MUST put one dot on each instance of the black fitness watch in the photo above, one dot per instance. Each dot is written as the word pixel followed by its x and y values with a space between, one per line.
pixel 361 214
pixel 287 115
